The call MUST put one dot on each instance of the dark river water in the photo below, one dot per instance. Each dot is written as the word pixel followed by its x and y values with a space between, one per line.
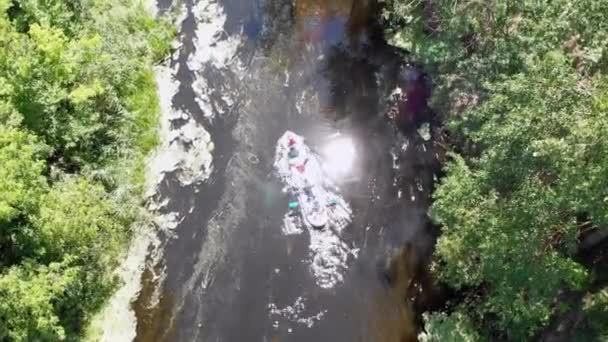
pixel 229 273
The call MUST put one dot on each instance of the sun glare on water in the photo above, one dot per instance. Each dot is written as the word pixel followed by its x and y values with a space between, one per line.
pixel 339 155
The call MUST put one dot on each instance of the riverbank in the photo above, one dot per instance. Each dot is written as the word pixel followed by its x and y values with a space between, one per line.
pixel 184 154
pixel 523 100
pixel 78 116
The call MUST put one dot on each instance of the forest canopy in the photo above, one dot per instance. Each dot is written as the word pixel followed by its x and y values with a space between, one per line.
pixel 78 115
pixel 522 88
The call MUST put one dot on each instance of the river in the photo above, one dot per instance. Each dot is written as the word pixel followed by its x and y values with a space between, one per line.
pixel 224 268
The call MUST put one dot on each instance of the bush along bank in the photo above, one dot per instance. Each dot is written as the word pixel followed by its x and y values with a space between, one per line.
pixel 523 90
pixel 78 115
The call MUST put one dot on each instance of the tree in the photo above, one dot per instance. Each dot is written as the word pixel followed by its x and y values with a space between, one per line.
pixel 457 327
pixel 595 326
pixel 78 218
pixel 28 293
pixel 522 87
pixel 21 185
pixel 21 167
pixel 78 115
pixel 510 215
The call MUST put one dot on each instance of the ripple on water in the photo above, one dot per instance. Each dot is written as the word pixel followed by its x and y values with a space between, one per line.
pixel 328 253
pixel 215 49
pixel 185 150
pixel 293 314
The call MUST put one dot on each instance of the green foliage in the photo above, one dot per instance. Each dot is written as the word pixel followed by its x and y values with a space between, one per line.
pixel 65 15
pixel 439 327
pixel 21 185
pixel 77 90
pixel 595 327
pixel 21 180
pixel 499 34
pixel 78 115
pixel 524 84
pixel 465 44
pixel 49 303
pixel 28 293
pixel 77 218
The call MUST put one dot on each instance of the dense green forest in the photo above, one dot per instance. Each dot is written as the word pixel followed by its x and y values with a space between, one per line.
pixel 78 114
pixel 523 91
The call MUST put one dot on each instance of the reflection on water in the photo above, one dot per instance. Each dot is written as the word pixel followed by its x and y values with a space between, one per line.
pixel 333 39
pixel 339 156
pixel 344 68
pixel 330 22
pixel 392 315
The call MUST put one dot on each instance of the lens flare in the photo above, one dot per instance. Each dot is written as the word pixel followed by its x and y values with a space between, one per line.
pixel 339 155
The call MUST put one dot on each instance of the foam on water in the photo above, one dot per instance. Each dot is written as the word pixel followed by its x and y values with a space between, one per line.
pixel 211 41
pixel 185 150
pixel 211 61
pixel 329 257
pixel 214 48
pixel 292 314
pixel 291 226
pixel 328 253
pixel 117 322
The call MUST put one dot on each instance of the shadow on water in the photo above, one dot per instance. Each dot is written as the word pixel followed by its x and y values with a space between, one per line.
pixel 342 55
